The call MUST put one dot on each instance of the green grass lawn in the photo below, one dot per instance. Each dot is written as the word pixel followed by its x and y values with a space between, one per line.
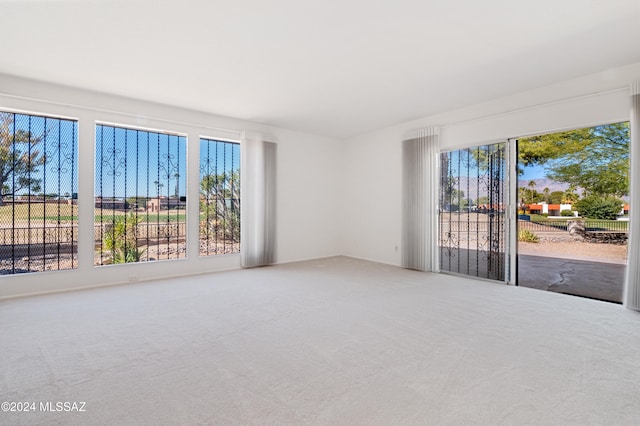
pixel 540 218
pixel 605 225
pixel 38 212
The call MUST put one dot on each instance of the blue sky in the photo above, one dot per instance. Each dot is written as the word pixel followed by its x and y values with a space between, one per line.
pixel 136 162
pixel 59 145
pixel 223 157
pixel 130 162
pixel 532 172
pixel 127 163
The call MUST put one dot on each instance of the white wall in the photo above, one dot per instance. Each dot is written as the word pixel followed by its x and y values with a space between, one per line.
pixel 373 180
pixel 308 197
pixel 334 197
pixel 306 190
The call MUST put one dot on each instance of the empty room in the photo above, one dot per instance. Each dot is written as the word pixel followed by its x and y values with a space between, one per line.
pixel 325 213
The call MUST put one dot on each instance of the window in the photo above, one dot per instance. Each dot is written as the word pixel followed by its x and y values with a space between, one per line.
pixel 38 193
pixel 219 197
pixel 140 196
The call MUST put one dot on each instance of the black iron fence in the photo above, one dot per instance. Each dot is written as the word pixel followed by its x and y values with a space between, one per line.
pixel 561 225
pixel 473 227
pixel 69 234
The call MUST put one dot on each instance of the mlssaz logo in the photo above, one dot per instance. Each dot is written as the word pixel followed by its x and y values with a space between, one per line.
pixel 62 406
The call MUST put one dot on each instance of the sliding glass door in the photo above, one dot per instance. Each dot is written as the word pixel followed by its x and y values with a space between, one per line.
pixel 574 211
pixel 473 214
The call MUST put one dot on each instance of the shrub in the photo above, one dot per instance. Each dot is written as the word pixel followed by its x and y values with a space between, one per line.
pixel 121 240
pixel 567 213
pixel 527 236
pixel 599 207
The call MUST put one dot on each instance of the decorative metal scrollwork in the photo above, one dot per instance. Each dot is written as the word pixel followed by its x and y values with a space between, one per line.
pixel 471 217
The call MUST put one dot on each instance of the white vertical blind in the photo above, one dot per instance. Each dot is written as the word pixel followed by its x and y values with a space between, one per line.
pixel 512 217
pixel 258 206
pixel 632 279
pixel 419 205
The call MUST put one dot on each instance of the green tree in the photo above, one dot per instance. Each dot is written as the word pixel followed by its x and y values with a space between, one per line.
pixel 457 199
pixel 595 159
pixel 136 202
pixel 483 199
pixel 121 239
pixel 450 196
pixel 599 207
pixel 570 196
pixel 547 195
pixel 19 157
pixel 556 197
pixel 529 195
pixel 220 204
pixel 483 156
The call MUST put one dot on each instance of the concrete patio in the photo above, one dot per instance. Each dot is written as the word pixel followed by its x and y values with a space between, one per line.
pixel 586 278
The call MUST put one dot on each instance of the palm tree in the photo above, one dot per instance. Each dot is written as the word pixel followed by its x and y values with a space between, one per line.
pixel 177 190
pixel 570 196
pixel 522 192
pixel 158 187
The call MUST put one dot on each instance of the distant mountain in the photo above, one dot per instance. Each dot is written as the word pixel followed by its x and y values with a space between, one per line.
pixel 472 186
pixel 543 183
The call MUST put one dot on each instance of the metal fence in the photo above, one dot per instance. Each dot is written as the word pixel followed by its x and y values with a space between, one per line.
pixel 69 233
pixel 35 249
pixel 66 234
pixel 146 233
pixel 38 235
pixel 561 225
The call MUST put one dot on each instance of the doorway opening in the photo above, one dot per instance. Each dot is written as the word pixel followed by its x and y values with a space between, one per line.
pixel 573 211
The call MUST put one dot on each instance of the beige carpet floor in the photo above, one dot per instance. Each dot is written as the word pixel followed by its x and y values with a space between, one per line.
pixel 334 341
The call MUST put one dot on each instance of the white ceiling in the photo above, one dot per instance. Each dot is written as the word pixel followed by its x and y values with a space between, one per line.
pixel 336 68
